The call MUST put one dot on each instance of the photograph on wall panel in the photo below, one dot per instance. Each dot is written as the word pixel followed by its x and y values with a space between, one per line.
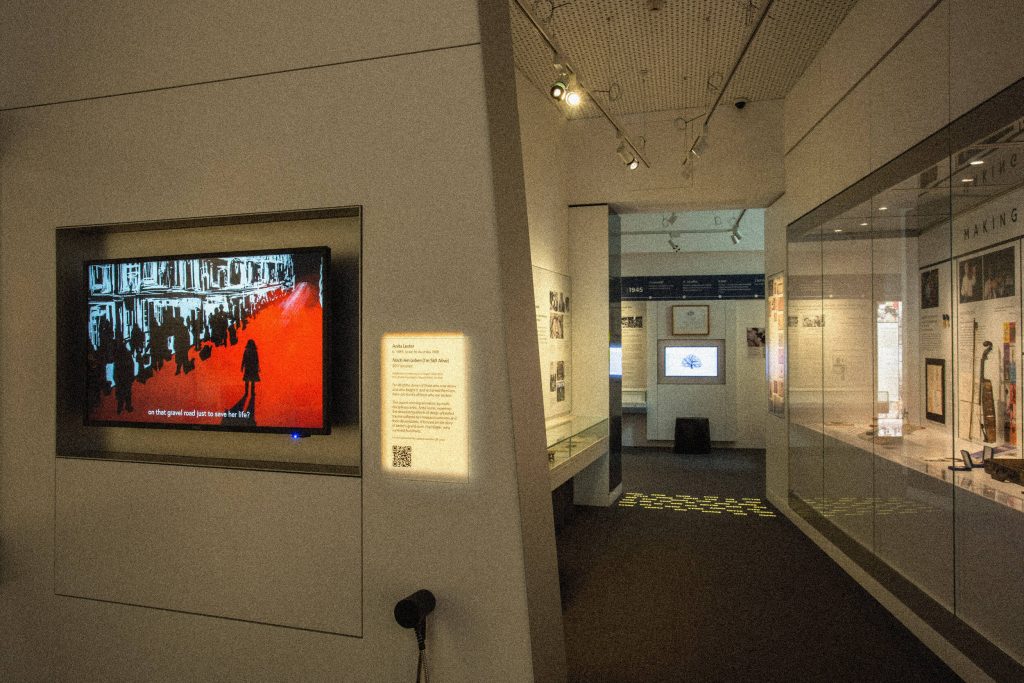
pixel 553 310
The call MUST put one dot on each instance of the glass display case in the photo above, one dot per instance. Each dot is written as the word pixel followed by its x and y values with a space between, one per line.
pixel 571 444
pixel 904 308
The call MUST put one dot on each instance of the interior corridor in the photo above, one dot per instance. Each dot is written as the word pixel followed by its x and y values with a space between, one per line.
pixel 693 576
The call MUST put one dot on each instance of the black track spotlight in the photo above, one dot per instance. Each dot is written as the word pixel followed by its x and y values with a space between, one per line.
pixel 626 155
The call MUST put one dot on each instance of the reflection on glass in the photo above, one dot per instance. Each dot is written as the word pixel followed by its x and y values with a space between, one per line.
pixel 889 369
pixel 805 322
pixel 904 319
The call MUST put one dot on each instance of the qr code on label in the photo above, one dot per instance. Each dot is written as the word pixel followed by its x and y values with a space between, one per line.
pixel 401 456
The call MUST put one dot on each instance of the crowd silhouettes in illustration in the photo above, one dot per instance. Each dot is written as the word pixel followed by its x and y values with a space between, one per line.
pixel 135 359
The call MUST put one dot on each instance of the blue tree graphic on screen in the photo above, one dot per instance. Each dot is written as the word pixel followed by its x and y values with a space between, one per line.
pixel 692 362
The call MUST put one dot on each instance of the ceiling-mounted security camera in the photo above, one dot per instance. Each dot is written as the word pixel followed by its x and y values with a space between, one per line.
pixel 740 102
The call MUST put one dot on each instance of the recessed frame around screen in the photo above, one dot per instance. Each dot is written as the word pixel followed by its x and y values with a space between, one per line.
pixel 337 453
pixel 718 344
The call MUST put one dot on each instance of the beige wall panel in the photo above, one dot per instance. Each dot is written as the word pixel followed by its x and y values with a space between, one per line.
pixel 212 541
pixel 871 28
pixel 61 49
pixel 751 383
pixel 693 263
pixel 985 50
pixel 832 157
pixel 742 167
pixel 419 165
pixel 588 253
pixel 717 402
pixel 909 91
pixel 542 128
pixel 776 219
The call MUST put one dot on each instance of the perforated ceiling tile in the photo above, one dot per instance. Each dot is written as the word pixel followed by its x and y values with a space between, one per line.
pixel 677 57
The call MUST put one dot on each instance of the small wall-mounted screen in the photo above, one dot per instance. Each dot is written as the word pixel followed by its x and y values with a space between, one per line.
pixel 691 361
pixel 233 341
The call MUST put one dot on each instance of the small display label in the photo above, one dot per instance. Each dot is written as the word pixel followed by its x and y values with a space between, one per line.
pixel 424 416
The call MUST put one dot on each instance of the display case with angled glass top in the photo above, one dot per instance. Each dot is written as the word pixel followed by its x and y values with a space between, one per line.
pixel 574 444
pixel 903 323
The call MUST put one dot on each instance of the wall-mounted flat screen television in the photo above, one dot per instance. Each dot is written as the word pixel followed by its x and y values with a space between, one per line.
pixel 234 341
pixel 691 362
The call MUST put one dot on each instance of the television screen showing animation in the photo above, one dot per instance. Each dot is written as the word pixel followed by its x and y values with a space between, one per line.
pixel 230 341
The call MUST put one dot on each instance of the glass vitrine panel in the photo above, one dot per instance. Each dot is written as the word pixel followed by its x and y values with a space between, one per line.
pixel 904 321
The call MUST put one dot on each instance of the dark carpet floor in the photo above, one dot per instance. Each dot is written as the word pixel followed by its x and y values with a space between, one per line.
pixel 690 589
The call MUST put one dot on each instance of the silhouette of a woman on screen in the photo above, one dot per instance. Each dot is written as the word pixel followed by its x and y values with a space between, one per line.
pixel 124 375
pixel 250 367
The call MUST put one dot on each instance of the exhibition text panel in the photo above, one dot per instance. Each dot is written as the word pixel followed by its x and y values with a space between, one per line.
pixel 424 420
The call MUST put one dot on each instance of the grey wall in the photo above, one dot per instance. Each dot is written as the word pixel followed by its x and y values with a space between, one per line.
pixel 375 121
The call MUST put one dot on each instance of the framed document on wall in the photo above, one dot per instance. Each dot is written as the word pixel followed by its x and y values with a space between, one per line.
pixel 691 320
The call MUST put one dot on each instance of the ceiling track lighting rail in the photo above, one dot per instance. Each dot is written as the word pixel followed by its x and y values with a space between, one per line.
pixel 678 233
pixel 630 150
pixel 700 145
pixel 736 237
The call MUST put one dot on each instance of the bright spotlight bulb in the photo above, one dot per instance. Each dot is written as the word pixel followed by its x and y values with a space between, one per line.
pixel 558 90
pixel 736 238
pixel 572 98
pixel 633 165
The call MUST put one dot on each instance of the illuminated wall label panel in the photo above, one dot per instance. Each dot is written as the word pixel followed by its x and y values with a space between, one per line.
pixel 424 413
pixel 634 345
pixel 775 353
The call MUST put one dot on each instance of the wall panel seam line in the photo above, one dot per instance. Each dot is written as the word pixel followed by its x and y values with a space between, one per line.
pixel 228 79
pixel 885 55
pixel 206 614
